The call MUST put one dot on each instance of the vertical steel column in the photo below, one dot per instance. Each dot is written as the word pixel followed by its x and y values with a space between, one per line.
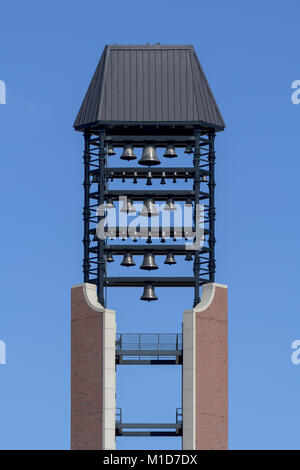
pixel 101 243
pixel 196 266
pixel 86 208
pixel 212 211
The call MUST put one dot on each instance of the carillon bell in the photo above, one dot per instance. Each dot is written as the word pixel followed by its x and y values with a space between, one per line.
pixel 189 149
pixel 204 179
pixel 135 178
pixel 128 153
pixel 110 150
pixel 109 204
pixel 170 259
pixel 109 258
pixel 163 176
pixel 186 176
pixel 174 178
pixel 149 181
pixel 170 206
pixel 149 209
pixel 128 206
pixel 149 262
pixel 188 203
pixel 149 156
pixel 149 293
pixel 189 257
pixel 170 152
pixel 128 260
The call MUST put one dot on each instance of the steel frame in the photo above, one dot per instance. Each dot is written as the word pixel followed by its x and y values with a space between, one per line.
pixel 96 192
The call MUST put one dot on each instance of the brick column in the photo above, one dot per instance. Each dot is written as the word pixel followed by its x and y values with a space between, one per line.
pixel 205 371
pixel 93 378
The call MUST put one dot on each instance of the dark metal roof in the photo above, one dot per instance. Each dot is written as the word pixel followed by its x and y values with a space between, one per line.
pixel 150 84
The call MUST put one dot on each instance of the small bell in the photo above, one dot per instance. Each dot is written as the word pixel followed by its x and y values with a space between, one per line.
pixel 111 176
pixel 189 149
pixel 163 237
pixel 123 177
pixel 149 209
pixel 109 258
pixel 128 207
pixel 149 239
pixel 163 176
pixel 149 156
pixel 204 179
pixel 135 178
pixel 170 259
pixel 128 260
pixel 110 150
pixel 186 176
pixel 189 203
pixel 149 262
pixel 189 257
pixel 170 206
pixel 149 181
pixel 109 204
pixel 128 153
pixel 149 293
pixel 174 179
pixel 170 152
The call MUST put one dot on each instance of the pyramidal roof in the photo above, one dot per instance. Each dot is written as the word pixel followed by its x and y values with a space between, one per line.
pixel 149 84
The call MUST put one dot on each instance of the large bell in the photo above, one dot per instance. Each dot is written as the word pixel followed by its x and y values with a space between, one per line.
pixel 149 262
pixel 128 260
pixel 170 258
pixel 110 150
pixel 149 293
pixel 170 206
pixel 170 152
pixel 128 153
pixel 149 157
pixel 128 206
pixel 149 209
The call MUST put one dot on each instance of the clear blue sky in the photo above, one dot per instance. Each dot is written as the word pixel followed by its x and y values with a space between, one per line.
pixel 250 54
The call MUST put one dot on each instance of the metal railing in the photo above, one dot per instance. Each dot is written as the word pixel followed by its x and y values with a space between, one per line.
pixel 149 341
pixel 149 429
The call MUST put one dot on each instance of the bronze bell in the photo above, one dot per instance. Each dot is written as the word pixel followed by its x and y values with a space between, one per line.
pixel 149 157
pixel 128 207
pixel 189 149
pixel 189 257
pixel 170 152
pixel 109 258
pixel 128 153
pixel 204 179
pixel 149 209
pixel 170 259
pixel 149 181
pixel 110 150
pixel 149 293
pixel 170 206
pixel 163 176
pixel 189 203
pixel 109 204
pixel 149 262
pixel 128 260
pixel 135 178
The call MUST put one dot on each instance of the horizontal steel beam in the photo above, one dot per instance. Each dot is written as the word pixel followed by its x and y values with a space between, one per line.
pixel 156 173
pixel 151 248
pixel 155 281
pixel 144 362
pixel 149 433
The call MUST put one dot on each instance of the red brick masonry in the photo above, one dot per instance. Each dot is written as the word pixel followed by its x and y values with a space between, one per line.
pixel 212 373
pixel 86 373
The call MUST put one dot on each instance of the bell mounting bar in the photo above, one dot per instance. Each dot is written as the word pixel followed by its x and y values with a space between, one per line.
pixel 155 281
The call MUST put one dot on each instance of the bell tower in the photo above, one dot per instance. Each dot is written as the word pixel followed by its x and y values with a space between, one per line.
pixel 148 106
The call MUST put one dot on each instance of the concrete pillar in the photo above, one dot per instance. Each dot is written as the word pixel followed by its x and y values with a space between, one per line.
pixel 205 371
pixel 93 373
